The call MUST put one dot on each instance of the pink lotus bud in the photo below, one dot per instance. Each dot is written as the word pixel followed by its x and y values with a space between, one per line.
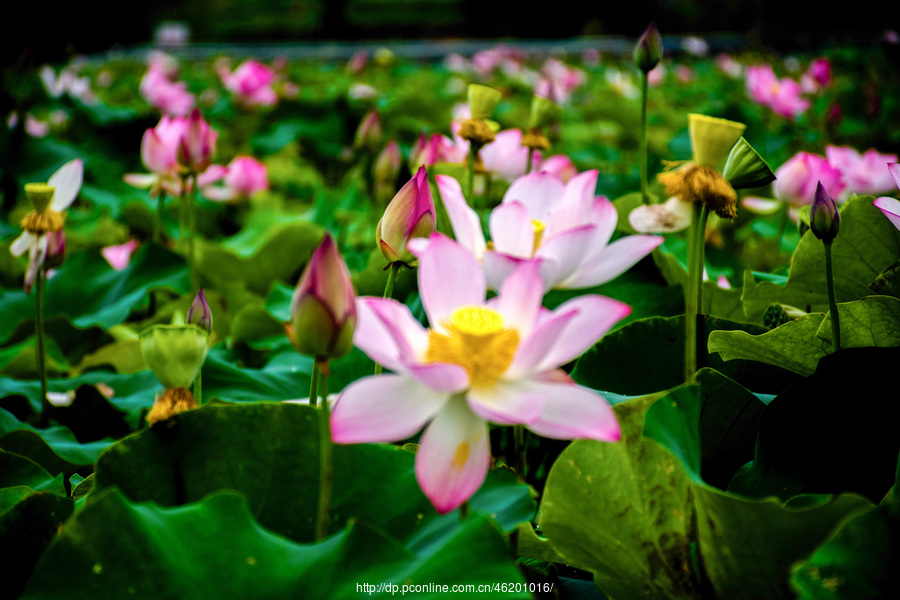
pixel 387 163
pixel 198 144
pixel 323 309
pixel 199 313
pixel 648 50
pixel 824 218
pixel 56 249
pixel 410 214
pixel 368 135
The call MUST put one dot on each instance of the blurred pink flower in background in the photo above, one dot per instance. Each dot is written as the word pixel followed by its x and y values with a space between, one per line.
pixel 158 89
pixel 656 75
pixel 685 74
pixel 559 165
pixel 119 256
pixel 781 95
pixel 796 180
pixel 159 154
pixel 244 176
pixel 67 83
pixel 817 76
pixel 481 361
pixel 729 65
pixel 251 83
pixel 506 157
pixel 558 81
pixel 864 174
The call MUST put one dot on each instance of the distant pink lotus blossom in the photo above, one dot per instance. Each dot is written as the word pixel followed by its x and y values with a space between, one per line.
pixel 864 174
pixel 244 177
pixel 796 180
pixel 817 76
pixel 559 165
pixel 729 65
pixel 157 88
pixel 159 153
pixel 656 75
pixel 783 96
pixel 506 157
pixel 251 84
pixel 481 361
pixel 563 228
pixel 891 206
pixel 119 256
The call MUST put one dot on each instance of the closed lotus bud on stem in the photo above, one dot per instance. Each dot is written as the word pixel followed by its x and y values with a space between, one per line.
pixel 648 50
pixel 199 313
pixel 56 249
pixel 323 309
pixel 410 214
pixel 197 145
pixel 824 217
pixel 368 134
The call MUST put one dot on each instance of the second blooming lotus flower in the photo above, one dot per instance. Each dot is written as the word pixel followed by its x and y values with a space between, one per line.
pixel 481 361
pixel 562 227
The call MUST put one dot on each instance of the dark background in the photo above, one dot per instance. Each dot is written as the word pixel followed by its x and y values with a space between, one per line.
pixel 54 32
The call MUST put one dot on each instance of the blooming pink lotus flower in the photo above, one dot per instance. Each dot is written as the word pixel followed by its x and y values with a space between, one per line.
pixel 251 84
pixel 244 176
pixel 411 214
pixel 43 235
pixel 171 98
pixel 891 206
pixel 864 174
pixel 781 95
pixel 480 361
pixel 159 153
pixel 563 228
pixel 796 180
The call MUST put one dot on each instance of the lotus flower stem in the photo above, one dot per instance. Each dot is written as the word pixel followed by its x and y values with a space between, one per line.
pixel 388 292
pixel 192 224
pixel 644 90
pixel 326 456
pixel 693 298
pixel 39 336
pixel 470 192
pixel 782 226
pixel 157 221
pixel 198 388
pixel 529 161
pixel 519 447
pixel 832 299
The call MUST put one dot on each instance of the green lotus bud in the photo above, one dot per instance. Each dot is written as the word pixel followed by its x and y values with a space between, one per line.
pixel 175 353
pixel 648 50
pixel 779 314
pixel 712 138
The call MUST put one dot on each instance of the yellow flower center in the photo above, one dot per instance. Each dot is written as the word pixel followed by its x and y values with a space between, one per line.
pixel 40 223
pixel 774 88
pixel 478 341
pixel 539 227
